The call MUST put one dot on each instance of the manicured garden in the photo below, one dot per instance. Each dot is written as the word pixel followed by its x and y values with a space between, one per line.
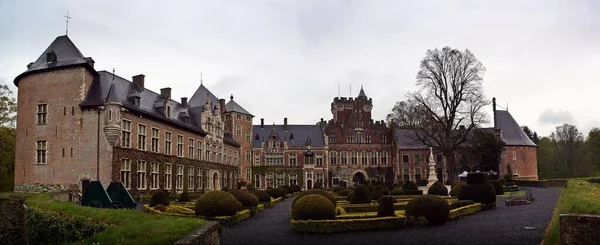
pixel 580 197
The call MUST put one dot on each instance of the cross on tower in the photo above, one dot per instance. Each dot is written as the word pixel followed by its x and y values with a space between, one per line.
pixel 67 17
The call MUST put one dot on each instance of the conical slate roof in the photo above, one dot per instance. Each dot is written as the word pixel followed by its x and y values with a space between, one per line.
pixel 362 94
pixel 512 134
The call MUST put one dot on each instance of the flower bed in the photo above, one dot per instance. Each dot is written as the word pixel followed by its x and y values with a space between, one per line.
pixel 231 220
pixel 464 211
pixel 346 225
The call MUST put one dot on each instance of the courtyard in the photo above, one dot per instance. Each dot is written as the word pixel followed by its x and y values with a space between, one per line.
pixel 525 224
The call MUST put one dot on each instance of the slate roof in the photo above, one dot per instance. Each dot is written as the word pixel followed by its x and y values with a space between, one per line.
pixel 67 54
pixel 299 133
pixel 362 94
pixel 233 106
pixel 199 97
pixel 406 140
pixel 512 133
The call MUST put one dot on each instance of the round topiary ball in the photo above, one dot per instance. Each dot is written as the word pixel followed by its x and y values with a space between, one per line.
pixel 217 203
pixel 313 207
pixel 456 187
pixel 361 195
pixel 437 189
pixel 345 192
pixel 318 185
pixel 159 197
pixel 323 193
pixel 263 196
pixel 434 208
pixel 184 197
pixel 246 199
pixel 377 192
pixel 409 185
pixel 276 193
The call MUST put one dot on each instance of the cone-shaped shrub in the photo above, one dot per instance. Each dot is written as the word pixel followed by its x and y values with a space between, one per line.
pixel 409 185
pixel 263 196
pixel 361 195
pixel 386 206
pixel 437 189
pixel 313 207
pixel 434 208
pixel 484 194
pixel 217 203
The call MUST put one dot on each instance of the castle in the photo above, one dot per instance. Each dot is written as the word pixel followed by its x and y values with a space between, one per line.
pixel 76 125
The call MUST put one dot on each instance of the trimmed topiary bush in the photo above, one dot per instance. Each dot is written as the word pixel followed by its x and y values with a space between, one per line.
pixel 295 188
pixel 321 192
pixel 396 192
pixel 456 187
pixel 409 185
pixel 184 197
pixel 250 187
pixel 241 183
pixel 477 178
pixel 225 188
pixel 160 207
pixel 337 189
pixel 386 206
pixel 361 195
pixel 437 189
pixel 217 203
pixel 449 182
pixel 349 196
pixel 498 187
pixel 434 208
pixel 159 197
pixel 484 194
pixel 276 193
pixel 377 192
pixel 246 199
pixel 461 203
pixel 263 196
pixel 345 192
pixel 313 207
pixel 318 185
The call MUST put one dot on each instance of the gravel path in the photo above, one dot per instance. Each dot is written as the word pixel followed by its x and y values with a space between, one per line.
pixel 524 224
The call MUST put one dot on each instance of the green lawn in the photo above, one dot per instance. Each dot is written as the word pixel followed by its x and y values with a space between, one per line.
pixel 579 197
pixel 129 226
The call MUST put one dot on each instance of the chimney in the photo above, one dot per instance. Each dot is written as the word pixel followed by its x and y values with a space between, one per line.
pixel 262 123
pixel 90 61
pixel 222 105
pixel 166 93
pixel 139 81
pixel 285 123
pixel 494 110
pixel 184 102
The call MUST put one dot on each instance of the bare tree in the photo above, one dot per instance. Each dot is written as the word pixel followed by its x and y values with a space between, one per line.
pixel 406 115
pixel 451 94
pixel 8 107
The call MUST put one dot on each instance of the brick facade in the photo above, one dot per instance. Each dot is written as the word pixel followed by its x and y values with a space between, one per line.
pixel 232 121
pixel 522 160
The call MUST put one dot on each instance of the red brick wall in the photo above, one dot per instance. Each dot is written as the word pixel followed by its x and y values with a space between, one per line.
pixel 231 123
pixel 524 161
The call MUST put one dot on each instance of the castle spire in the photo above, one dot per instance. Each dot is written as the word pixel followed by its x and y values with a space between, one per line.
pixel 362 94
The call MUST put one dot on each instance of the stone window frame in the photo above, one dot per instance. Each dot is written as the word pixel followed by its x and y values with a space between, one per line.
pixel 350 139
pixel 279 179
pixel 320 178
pixel 179 177
pixel 383 157
pixel 343 158
pixel 155 140
pixel 168 172
pixel 514 155
pixel 191 176
pixel 332 139
pixel 247 136
pixel 319 160
pixel 256 159
pixel 249 174
pixel 248 119
pixel 248 155
pixel 199 175
pixel 374 159
pixel 41 114
pixel 142 137
pixel 191 148
pixel 238 117
pixel 125 133
pixel 294 178
pixel 384 139
pixel 293 159
pixel 405 158
pixel 238 130
pixel 335 181
pixel 154 175
pixel 168 143
pixel 141 174
pixel 333 157
pixel 269 179
pixel 354 158
pixel 368 139
pixel 41 150
pixel 179 145
pixel 364 158
pixel 126 172
pixel 257 180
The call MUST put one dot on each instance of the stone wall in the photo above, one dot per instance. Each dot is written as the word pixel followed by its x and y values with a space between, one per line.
pixel 579 229
pixel 40 187
pixel 208 234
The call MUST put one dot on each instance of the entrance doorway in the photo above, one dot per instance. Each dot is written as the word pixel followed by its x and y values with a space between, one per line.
pixel 358 178
pixel 309 184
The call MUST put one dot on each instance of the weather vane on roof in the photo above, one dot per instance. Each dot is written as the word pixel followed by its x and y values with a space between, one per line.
pixel 67 17
pixel 200 78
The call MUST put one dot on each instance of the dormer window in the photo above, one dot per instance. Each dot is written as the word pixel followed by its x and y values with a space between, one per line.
pixel 50 57
pixel 136 101
pixel 168 111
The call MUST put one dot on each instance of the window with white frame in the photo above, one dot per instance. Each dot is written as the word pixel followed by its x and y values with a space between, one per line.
pixel 154 170
pixel 168 143
pixel 280 179
pixel 368 139
pixel 41 150
pixel 514 155
pixel 344 158
pixel 125 133
pixel 199 174
pixel 336 181
pixel 191 178
pixel 319 160
pixel 364 158
pixel 332 158
pixel 126 172
pixel 179 179
pixel 247 136
pixel 384 157
pixel 257 181
pixel 238 130
pixel 373 157
pixel 180 145
pixel 270 178
pixel 256 159
pixel 274 159
pixel 207 153
pixel 154 141
pixel 293 159
pixel 141 174
pixel 319 178
pixel 332 139
pixel 141 137
pixel 293 179
pixel 42 110
pixel 354 158
pixel 191 148
pixel 168 176
pixel 384 139
pixel 248 155
pixel 249 174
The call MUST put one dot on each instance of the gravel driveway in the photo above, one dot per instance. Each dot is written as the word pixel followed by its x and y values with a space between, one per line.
pixel 524 224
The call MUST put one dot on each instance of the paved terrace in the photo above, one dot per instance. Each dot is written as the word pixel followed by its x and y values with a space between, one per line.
pixel 523 224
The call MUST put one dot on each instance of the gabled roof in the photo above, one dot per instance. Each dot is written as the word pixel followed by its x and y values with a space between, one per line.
pixel 512 133
pixel 300 134
pixel 232 106
pixel 67 54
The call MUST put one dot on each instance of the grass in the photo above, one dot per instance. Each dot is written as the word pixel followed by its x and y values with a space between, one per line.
pixel 580 197
pixel 128 226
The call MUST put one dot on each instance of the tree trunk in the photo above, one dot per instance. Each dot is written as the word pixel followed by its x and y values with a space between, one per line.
pixel 451 165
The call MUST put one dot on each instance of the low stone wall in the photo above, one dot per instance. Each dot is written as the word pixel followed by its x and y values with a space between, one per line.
pixel 208 234
pixel 39 187
pixel 579 228
pixel 13 228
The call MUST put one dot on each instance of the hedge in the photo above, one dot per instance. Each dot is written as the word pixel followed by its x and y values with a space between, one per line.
pixel 412 192
pixel 313 207
pixel 485 194
pixel 231 220
pixel 371 207
pixel 464 211
pixel 461 203
pixel 49 227
pixel 346 225
pixel 477 178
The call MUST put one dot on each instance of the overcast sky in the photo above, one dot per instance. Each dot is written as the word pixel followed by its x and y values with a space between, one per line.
pixel 286 58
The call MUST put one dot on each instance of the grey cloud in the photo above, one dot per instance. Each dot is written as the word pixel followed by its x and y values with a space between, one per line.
pixel 556 117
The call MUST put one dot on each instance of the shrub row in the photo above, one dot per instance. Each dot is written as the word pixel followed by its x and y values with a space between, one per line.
pixel 346 225
pixel 371 207
pixel 466 210
pixel 438 188
pixel 48 227
pixel 484 194
pixel 461 203
pixel 233 219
